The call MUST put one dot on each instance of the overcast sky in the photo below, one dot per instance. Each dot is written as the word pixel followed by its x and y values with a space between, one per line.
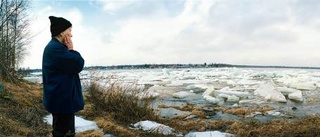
pixel 116 32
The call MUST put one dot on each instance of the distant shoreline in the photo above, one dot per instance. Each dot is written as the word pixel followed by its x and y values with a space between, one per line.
pixel 213 65
pixel 160 66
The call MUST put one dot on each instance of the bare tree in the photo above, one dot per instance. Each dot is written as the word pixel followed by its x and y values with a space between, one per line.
pixel 13 36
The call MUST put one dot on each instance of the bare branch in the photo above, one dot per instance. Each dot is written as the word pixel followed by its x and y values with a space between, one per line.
pixel 13 38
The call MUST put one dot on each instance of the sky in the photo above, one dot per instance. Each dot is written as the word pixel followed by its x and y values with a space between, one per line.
pixel 129 32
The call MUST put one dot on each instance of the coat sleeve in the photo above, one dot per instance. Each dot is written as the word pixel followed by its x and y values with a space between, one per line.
pixel 65 60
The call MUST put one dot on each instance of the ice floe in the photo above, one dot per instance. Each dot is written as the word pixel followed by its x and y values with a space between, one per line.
pixel 183 94
pixel 216 85
pixel 269 92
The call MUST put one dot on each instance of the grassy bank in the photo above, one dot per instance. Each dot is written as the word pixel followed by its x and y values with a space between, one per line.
pixel 21 110
pixel 115 107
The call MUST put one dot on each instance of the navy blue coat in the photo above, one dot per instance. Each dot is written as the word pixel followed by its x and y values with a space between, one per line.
pixel 62 91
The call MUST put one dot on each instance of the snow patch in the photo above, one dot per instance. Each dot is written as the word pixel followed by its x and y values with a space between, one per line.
pixel 81 124
pixel 152 126
pixel 209 134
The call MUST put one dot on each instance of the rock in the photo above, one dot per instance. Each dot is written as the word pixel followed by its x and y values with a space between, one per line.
pixel 274 113
pixel 170 113
pixel 253 114
pixel 294 108
pixel 208 109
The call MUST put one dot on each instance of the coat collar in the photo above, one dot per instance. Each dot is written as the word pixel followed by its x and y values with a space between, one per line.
pixel 56 40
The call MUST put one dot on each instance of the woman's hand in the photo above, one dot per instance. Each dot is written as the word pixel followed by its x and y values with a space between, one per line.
pixel 68 42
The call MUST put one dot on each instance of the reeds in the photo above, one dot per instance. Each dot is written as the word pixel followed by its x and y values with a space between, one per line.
pixel 122 102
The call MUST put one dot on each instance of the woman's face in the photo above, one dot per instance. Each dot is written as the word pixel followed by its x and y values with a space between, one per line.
pixel 66 34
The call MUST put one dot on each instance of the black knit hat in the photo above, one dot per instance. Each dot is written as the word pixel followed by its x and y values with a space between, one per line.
pixel 58 25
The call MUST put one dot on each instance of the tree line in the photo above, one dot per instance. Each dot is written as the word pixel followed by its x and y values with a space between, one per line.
pixel 159 66
pixel 14 36
pixel 190 65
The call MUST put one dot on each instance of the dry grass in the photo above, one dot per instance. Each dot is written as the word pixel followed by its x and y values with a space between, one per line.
pixel 306 127
pixel 22 115
pixel 115 107
pixel 109 125
pixel 241 111
pixel 303 127
pixel 91 133
pixel 121 102
pixel 21 110
pixel 185 107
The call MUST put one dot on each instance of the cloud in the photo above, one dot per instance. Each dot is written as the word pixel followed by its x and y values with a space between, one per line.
pixel 115 5
pixel 248 32
pixel 84 38
pixel 275 32
pixel 145 40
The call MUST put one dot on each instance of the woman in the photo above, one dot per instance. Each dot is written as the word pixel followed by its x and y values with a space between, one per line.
pixel 61 65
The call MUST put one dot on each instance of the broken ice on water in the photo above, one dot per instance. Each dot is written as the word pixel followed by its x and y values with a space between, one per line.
pixel 214 84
